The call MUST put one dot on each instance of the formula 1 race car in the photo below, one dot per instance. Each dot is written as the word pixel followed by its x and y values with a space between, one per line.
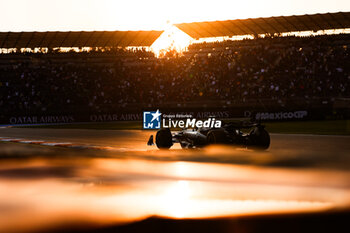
pixel 257 138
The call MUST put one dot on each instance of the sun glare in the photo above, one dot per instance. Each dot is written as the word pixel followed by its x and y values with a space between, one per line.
pixel 172 39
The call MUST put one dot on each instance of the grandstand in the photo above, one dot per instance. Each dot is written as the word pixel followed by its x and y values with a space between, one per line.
pixel 81 39
pixel 267 74
pixel 270 25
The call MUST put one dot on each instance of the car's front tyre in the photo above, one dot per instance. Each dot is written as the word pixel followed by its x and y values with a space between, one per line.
pixel 216 137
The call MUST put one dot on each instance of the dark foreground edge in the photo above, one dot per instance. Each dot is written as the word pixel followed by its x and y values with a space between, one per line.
pixel 331 221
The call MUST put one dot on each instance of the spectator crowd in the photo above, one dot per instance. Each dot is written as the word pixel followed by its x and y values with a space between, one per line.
pixel 235 71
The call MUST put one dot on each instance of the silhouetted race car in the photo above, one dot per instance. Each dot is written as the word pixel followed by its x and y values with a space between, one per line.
pixel 257 138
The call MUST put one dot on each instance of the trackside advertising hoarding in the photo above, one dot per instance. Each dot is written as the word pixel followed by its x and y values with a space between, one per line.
pixel 138 116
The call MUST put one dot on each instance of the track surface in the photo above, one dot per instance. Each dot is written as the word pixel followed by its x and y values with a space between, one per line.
pixel 286 149
pixel 43 186
pixel 138 138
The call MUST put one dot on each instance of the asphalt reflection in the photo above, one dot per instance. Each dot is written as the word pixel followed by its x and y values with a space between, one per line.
pixel 44 191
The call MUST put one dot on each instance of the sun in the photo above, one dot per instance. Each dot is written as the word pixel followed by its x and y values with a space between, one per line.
pixel 171 39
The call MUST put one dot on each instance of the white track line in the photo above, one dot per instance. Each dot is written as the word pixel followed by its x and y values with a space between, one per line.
pixel 31 142
pixel 56 143
pixel 11 139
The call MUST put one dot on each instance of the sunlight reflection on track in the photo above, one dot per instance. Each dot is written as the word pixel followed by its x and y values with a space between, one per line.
pixel 116 178
pixel 44 191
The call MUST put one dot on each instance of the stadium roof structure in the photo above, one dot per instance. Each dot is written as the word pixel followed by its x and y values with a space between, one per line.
pixel 77 39
pixel 272 25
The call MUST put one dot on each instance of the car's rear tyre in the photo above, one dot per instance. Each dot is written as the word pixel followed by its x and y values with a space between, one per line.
pixel 260 139
pixel 164 139
pixel 216 137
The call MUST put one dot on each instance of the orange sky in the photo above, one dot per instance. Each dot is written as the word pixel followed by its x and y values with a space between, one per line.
pixel 95 15
pixel 66 15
